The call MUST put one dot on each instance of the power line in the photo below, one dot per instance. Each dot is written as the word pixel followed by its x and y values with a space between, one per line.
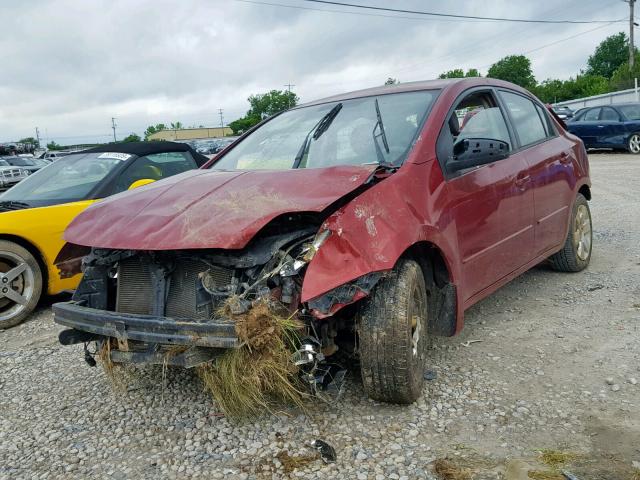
pixel 452 15
pixel 559 41
pixel 346 12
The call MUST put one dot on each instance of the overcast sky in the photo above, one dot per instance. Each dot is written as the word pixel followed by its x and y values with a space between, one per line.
pixel 69 66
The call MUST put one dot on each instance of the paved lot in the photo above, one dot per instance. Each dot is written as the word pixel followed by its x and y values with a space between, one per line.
pixel 556 368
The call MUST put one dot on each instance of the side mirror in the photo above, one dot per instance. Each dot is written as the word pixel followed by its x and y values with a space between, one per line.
pixel 471 152
pixel 140 183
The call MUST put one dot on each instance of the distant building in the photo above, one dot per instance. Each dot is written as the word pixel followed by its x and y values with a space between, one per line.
pixel 191 133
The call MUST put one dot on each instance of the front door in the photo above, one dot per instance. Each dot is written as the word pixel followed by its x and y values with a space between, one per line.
pixel 491 205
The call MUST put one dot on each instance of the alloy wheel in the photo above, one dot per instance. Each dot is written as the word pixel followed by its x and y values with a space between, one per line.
pixel 16 285
pixel 634 143
pixel 582 233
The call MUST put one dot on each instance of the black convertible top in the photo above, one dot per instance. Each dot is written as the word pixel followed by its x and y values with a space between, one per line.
pixel 148 148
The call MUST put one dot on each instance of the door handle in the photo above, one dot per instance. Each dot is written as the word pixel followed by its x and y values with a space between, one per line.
pixel 600 126
pixel 521 180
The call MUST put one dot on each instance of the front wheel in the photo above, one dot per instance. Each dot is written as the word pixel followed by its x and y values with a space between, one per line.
pixel 20 284
pixel 633 144
pixel 392 335
pixel 576 252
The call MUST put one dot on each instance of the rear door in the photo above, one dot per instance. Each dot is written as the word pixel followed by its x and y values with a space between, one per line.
pixel 551 161
pixel 613 129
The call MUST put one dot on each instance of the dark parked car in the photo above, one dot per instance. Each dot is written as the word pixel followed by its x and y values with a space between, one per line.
pixel 608 126
pixel 371 215
pixel 29 164
pixel 565 113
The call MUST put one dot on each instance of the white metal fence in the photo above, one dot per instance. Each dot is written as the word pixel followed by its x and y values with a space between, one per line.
pixel 622 96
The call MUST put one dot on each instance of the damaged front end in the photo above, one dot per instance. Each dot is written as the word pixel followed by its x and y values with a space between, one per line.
pixel 184 307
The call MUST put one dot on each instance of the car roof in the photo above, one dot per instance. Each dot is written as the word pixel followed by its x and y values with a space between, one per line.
pixel 148 148
pixel 141 148
pixel 415 86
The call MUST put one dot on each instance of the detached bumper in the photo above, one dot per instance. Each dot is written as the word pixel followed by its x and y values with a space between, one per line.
pixel 215 333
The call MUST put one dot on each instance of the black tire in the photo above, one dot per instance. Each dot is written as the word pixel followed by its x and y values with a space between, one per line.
pixel 392 365
pixel 26 285
pixel 633 143
pixel 576 252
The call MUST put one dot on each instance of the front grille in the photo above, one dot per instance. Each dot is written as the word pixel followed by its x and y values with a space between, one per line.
pixel 186 297
pixel 12 173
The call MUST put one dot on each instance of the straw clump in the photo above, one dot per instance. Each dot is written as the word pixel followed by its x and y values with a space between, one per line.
pixel 252 379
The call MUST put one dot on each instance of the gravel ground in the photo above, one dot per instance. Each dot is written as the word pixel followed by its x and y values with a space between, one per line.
pixel 556 366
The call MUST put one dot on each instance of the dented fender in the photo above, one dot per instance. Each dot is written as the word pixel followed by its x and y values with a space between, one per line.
pixel 369 235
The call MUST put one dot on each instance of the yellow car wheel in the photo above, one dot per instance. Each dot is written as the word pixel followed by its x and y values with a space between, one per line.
pixel 20 284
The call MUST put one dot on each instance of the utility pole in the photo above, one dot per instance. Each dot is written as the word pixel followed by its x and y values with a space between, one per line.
pixel 631 45
pixel 113 125
pixel 221 120
pixel 38 136
pixel 288 85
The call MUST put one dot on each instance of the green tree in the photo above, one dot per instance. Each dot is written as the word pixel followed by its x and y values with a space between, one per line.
pixel 52 145
pixel 455 73
pixel 243 124
pixel 176 125
pixel 515 69
pixel 30 141
pixel 264 105
pixel 612 52
pixel 132 137
pixel 391 81
pixel 151 129
pixel 459 73
pixel 553 90
pixel 623 77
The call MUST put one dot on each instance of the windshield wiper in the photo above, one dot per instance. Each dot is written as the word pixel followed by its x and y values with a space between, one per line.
pixel 383 134
pixel 8 205
pixel 317 131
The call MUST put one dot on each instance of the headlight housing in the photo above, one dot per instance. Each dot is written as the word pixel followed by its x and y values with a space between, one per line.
pixel 293 265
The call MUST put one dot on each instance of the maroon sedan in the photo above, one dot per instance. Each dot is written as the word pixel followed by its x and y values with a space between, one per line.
pixel 374 215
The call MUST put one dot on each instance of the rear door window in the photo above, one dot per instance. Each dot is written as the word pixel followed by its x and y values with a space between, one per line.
pixel 525 118
pixel 609 114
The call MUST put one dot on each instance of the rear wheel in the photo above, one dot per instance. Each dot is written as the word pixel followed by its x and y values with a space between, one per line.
pixel 392 334
pixel 576 253
pixel 633 144
pixel 20 284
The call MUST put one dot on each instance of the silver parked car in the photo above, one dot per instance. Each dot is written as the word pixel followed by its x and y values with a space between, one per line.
pixel 10 175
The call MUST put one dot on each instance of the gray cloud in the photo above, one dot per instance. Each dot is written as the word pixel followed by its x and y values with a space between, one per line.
pixel 69 66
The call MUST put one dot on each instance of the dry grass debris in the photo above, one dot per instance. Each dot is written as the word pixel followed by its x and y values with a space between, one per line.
pixel 120 376
pixel 447 470
pixel 248 381
pixel 555 458
pixel 291 463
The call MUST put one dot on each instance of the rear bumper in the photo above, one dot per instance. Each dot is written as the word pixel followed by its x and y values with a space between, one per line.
pixel 215 333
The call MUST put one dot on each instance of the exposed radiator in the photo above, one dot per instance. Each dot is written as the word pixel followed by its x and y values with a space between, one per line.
pixel 185 299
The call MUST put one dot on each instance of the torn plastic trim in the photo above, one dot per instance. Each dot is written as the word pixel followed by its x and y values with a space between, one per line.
pixel 331 302
pixel 69 259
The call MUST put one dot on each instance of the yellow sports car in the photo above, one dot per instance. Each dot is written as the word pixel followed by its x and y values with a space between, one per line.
pixel 35 213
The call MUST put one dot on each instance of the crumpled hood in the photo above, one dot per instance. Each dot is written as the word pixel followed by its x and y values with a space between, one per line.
pixel 209 208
